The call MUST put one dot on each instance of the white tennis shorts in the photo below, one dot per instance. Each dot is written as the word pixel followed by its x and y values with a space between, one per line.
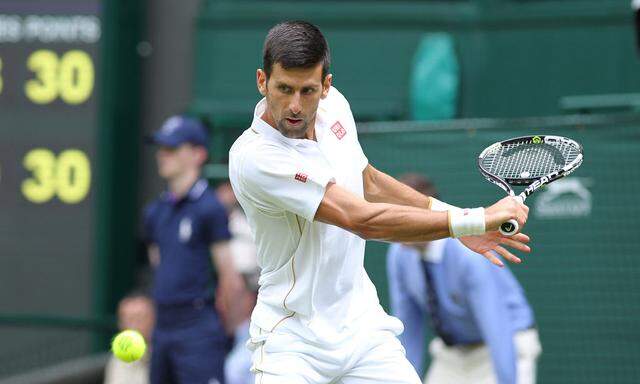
pixel 367 358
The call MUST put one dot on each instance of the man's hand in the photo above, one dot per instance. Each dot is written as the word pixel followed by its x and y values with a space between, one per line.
pixel 504 210
pixel 490 242
pixel 228 293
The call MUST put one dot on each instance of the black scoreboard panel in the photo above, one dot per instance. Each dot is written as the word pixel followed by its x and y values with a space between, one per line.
pixel 49 66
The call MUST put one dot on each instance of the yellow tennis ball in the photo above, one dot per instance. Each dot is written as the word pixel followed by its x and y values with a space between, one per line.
pixel 128 345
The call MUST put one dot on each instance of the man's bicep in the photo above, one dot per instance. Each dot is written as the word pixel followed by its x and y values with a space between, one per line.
pixel 370 180
pixel 340 207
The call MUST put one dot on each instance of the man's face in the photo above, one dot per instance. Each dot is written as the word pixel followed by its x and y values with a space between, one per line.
pixel 292 97
pixel 173 162
pixel 137 313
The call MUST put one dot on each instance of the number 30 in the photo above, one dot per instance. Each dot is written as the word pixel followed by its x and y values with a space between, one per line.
pixel 68 176
pixel 71 77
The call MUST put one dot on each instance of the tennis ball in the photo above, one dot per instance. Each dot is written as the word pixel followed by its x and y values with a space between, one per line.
pixel 128 345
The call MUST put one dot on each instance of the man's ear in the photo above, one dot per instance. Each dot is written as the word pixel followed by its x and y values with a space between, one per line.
pixel 261 82
pixel 203 155
pixel 326 85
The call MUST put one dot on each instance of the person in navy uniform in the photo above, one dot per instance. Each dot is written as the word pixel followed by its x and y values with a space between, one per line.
pixel 194 277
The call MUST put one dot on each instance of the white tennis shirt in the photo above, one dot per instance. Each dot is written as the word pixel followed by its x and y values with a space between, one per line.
pixel 313 280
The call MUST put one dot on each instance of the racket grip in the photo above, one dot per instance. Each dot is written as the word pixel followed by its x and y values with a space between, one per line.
pixel 509 228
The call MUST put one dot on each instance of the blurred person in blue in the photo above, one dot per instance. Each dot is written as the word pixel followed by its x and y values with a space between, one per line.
pixel 237 366
pixel 484 327
pixel 195 282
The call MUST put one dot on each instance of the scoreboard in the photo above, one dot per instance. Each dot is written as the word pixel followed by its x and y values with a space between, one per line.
pixel 49 98
pixel 69 109
pixel 69 143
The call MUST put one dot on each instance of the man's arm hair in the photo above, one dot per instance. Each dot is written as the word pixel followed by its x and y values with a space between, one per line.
pixel 382 188
pixel 380 221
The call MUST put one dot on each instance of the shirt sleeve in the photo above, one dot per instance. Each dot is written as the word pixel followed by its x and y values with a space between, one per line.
pixel 404 308
pixel 492 317
pixel 217 224
pixel 363 161
pixel 278 180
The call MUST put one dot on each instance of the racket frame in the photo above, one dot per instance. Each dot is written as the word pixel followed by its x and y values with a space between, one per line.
pixel 532 183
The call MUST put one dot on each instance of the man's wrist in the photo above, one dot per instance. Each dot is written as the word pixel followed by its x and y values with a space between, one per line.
pixel 462 222
pixel 466 222
pixel 440 206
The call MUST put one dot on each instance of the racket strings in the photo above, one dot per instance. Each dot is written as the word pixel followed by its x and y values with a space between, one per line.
pixel 527 160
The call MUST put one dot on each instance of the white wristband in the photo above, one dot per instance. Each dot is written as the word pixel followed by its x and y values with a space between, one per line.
pixel 437 205
pixel 466 222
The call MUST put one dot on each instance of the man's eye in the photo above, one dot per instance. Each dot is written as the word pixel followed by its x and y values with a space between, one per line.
pixel 308 91
pixel 284 89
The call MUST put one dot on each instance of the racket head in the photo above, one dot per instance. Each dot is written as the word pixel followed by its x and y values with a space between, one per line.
pixel 523 160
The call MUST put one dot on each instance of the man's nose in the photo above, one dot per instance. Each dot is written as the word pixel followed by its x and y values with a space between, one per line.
pixel 294 105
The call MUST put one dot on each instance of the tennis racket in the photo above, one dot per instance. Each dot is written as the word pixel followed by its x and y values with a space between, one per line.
pixel 531 161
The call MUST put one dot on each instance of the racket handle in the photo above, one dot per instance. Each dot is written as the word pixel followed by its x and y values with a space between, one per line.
pixel 509 228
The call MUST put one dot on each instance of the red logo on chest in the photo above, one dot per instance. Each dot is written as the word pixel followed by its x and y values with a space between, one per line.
pixel 338 130
pixel 301 177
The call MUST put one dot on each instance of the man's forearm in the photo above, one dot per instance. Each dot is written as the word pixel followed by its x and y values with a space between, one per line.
pixel 396 223
pixel 381 221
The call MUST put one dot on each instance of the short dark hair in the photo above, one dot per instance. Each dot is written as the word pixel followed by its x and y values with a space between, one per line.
pixel 295 44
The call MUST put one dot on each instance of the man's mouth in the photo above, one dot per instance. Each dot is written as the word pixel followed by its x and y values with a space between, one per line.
pixel 293 121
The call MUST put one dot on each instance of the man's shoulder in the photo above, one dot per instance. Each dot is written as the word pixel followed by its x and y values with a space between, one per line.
pixel 153 205
pixel 252 144
pixel 335 101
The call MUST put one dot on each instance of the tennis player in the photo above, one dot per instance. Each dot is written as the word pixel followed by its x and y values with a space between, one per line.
pixel 312 199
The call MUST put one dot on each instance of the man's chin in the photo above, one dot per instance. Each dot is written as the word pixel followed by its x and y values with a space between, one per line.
pixel 296 132
pixel 165 173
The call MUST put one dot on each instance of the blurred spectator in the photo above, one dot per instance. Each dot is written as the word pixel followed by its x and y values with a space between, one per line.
pixel 238 362
pixel 484 326
pixel 134 312
pixel 195 283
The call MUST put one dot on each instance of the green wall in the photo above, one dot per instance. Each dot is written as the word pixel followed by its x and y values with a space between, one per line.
pixel 517 58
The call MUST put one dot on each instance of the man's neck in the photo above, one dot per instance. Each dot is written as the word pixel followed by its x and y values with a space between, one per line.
pixel 180 185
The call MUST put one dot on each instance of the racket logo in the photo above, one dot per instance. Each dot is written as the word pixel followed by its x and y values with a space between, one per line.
pixel 507 227
pixel 536 140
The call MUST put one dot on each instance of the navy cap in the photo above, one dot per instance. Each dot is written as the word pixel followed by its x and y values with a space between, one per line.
pixel 178 130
